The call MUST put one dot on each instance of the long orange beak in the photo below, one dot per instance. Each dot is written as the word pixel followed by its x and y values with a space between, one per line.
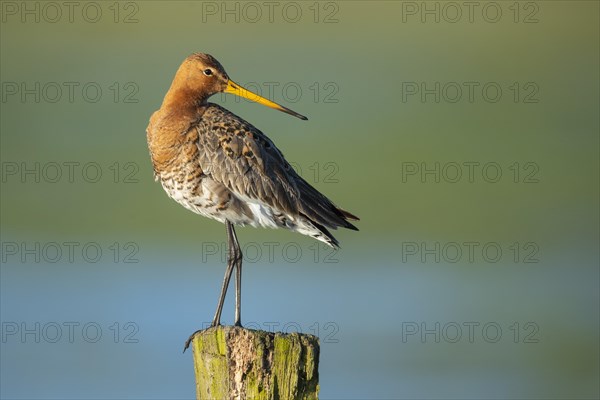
pixel 238 90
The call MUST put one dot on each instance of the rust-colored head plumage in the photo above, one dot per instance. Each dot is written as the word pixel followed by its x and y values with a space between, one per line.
pixel 201 76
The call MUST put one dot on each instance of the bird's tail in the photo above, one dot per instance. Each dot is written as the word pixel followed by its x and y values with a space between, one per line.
pixel 323 214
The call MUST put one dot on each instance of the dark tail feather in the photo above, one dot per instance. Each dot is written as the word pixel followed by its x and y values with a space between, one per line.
pixel 321 211
pixel 333 242
pixel 348 215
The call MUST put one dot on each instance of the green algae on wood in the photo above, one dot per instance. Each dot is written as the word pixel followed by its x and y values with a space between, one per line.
pixel 238 363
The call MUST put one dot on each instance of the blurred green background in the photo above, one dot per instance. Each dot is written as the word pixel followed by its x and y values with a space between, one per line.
pixel 388 304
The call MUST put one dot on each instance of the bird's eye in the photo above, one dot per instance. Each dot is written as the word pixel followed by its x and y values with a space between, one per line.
pixel 208 72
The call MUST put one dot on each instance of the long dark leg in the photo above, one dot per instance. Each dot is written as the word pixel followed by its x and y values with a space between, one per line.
pixel 234 259
pixel 238 279
pixel 231 262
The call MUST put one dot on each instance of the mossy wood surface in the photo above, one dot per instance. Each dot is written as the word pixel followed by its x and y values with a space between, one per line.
pixel 238 363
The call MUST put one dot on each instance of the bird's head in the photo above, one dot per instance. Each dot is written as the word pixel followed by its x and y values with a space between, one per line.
pixel 204 76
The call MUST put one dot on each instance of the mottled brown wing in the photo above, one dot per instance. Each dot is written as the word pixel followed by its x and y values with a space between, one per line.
pixel 236 154
pixel 241 157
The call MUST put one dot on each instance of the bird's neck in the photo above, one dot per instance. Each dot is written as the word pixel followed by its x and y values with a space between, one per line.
pixel 181 97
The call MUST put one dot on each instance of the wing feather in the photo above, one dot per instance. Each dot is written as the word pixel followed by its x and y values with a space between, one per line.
pixel 241 157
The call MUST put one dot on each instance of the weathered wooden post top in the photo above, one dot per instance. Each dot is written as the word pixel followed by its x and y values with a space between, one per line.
pixel 238 363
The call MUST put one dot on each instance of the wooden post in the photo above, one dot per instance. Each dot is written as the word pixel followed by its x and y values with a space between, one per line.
pixel 238 363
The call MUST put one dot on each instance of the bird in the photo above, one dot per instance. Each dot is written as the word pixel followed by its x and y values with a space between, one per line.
pixel 216 164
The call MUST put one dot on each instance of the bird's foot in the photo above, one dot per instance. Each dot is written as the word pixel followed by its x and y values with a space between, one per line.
pixel 189 340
